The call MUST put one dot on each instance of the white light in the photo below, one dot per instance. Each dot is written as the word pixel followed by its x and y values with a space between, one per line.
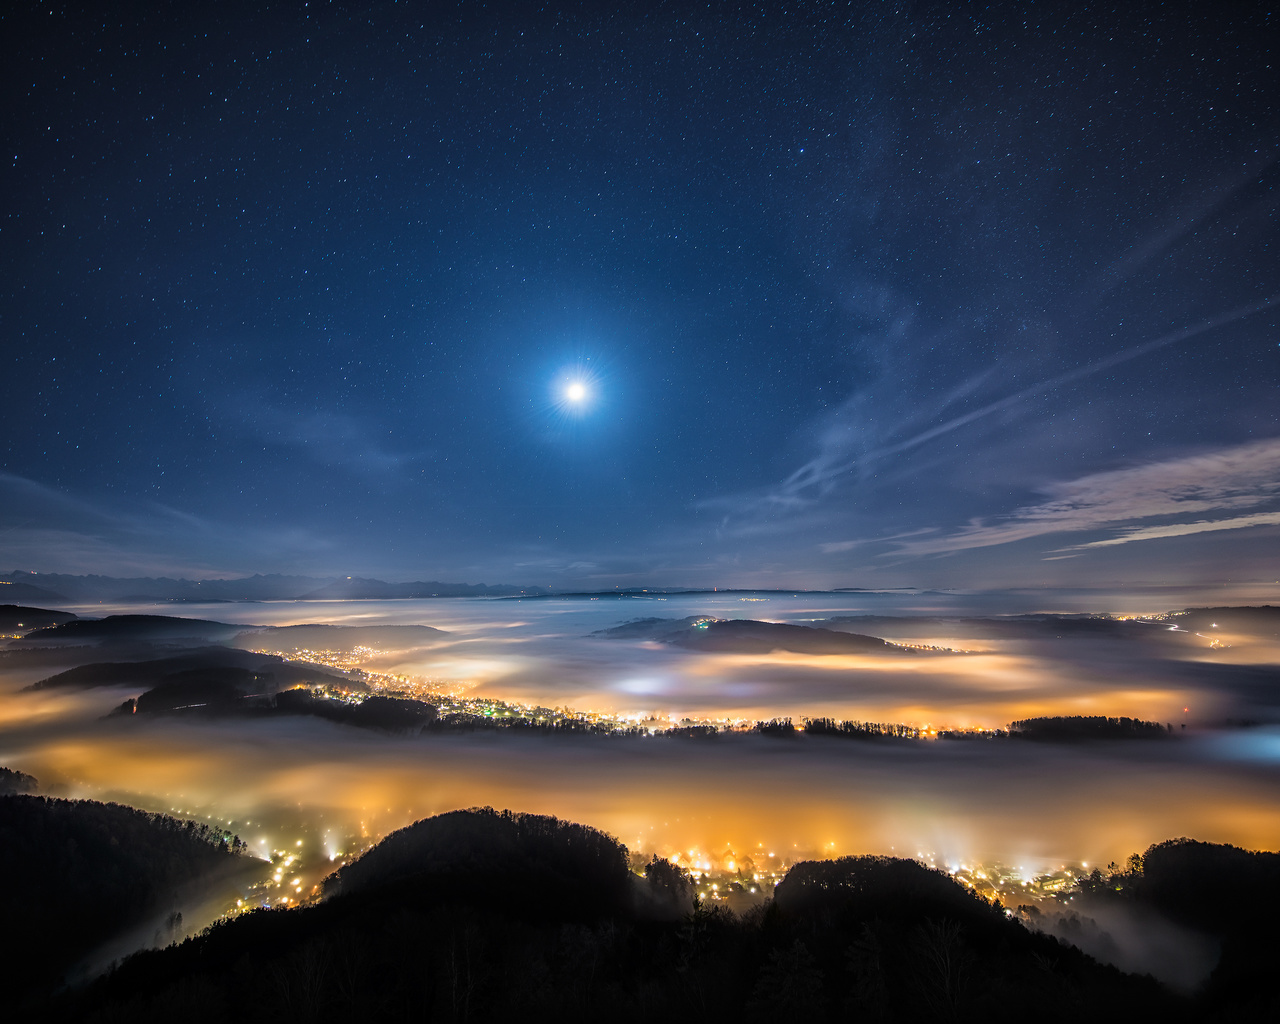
pixel 576 391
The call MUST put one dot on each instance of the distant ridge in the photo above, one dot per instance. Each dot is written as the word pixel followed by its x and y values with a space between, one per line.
pixel 355 589
pixel 60 588
pixel 17 617
pixel 15 589
pixel 56 588
pixel 649 592
pixel 132 627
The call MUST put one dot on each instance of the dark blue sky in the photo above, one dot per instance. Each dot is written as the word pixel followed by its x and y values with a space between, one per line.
pixel 935 295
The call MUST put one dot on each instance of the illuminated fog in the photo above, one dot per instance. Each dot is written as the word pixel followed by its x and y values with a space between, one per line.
pixel 339 788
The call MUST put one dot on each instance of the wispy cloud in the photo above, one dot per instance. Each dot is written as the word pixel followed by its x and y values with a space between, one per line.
pixel 338 439
pixel 851 439
pixel 836 547
pixel 1182 223
pixel 848 545
pixel 1124 356
pixel 1184 529
pixel 54 530
pixel 1239 478
pixel 357 443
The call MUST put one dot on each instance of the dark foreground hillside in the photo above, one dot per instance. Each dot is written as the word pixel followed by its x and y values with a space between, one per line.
pixel 481 916
pixel 77 872
pixel 486 916
pixel 1221 891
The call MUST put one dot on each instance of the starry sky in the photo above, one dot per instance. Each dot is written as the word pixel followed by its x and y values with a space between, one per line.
pixel 872 295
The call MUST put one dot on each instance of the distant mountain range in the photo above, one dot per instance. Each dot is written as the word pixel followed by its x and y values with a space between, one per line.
pixel 57 588
pixel 46 589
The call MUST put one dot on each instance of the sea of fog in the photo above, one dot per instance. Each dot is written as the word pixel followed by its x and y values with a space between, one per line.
pixel 323 790
pixel 541 652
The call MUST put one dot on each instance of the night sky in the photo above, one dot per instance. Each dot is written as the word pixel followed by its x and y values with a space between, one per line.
pixel 855 295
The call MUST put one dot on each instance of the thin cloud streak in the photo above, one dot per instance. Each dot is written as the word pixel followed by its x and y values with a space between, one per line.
pixel 1239 313
pixel 815 479
pixel 1183 224
pixel 848 545
pixel 1241 477
pixel 1185 529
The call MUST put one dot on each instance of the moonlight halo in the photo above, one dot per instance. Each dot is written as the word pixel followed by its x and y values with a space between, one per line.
pixel 576 390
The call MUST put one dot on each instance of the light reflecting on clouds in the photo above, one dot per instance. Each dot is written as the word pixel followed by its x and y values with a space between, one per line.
pixel 971 799
pixel 964 799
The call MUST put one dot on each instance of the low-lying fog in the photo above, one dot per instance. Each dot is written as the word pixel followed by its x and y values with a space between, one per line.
pixel 1033 805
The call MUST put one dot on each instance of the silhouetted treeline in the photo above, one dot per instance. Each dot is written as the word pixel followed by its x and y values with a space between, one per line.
pixel 1083 727
pixel 1059 729
pixel 479 916
pixel 691 732
pixel 1220 890
pixel 461 721
pixel 391 714
pixel 229 689
pixel 77 872
pixel 239 692
pixel 13 782
pixel 860 730
pixel 972 734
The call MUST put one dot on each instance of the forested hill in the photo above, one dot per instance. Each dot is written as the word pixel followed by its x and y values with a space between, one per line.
pixel 487 916
pixel 78 872
pixel 493 916
pixel 16 619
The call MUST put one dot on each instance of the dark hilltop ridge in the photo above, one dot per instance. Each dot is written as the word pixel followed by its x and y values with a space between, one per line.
pixel 866 633
pixel 121 628
pixel 273 672
pixel 323 637
pixel 80 872
pixel 481 915
pixel 14 783
pixel 1000 627
pixel 39 627
pixel 197 659
pixel 18 620
pixel 1261 621
pixel 745 636
pixel 225 682
pixel 15 588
